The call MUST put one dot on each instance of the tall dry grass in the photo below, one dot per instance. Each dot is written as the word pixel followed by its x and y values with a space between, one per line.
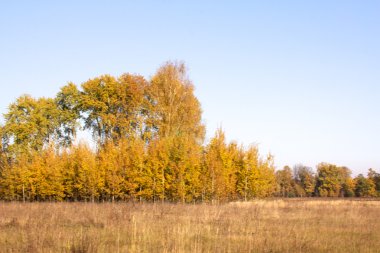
pixel 258 226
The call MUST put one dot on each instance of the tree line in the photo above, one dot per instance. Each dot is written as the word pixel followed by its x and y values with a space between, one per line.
pixel 150 146
pixel 329 181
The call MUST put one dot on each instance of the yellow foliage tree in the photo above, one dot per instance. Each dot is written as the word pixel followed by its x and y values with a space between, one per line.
pixel 157 173
pixel 174 108
pixel 82 179
pixel 220 168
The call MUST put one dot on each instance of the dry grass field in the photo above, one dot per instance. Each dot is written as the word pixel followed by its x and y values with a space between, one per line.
pixel 258 226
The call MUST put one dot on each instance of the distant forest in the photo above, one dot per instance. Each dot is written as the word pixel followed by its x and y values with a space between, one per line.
pixel 150 146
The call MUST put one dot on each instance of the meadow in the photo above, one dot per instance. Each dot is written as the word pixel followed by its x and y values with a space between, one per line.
pixel 277 225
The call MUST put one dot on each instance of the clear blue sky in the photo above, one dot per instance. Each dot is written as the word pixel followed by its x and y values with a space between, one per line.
pixel 300 78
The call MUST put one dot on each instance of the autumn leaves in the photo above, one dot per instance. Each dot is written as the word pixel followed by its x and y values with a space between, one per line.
pixel 150 146
pixel 149 137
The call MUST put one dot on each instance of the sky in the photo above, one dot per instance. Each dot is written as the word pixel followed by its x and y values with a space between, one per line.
pixel 301 79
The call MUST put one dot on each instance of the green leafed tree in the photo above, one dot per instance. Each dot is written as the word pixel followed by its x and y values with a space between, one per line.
pixel 30 124
pixel 114 108
pixel 305 178
pixel 285 182
pixel 333 181
pixel 364 187
pixel 375 178
pixel 68 104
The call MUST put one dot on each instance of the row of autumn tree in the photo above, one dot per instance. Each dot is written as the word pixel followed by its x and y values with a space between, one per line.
pixel 150 146
pixel 329 181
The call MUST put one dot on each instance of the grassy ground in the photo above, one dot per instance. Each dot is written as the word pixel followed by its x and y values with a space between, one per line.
pixel 258 226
